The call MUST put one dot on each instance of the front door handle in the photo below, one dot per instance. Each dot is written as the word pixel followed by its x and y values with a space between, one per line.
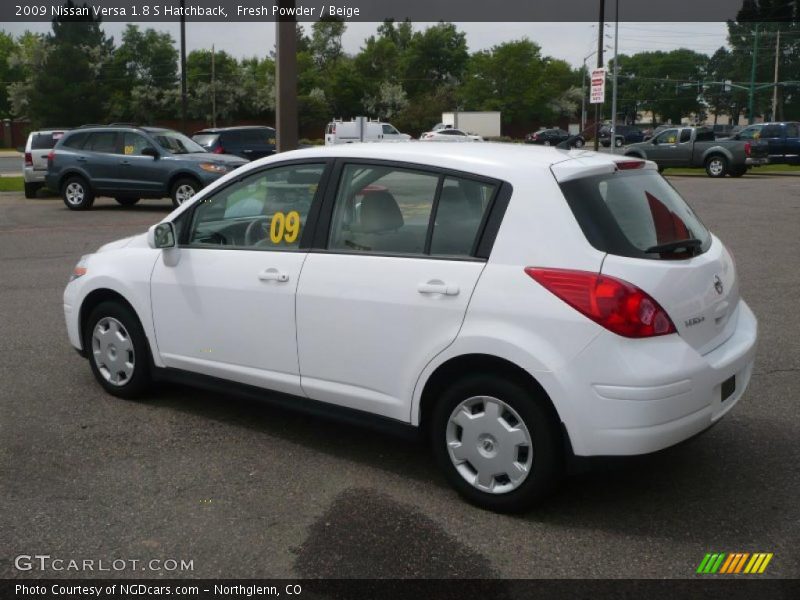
pixel 438 287
pixel 273 274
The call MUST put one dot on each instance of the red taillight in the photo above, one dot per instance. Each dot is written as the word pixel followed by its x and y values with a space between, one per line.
pixel 624 165
pixel 615 304
pixel 28 159
pixel 747 148
pixel 51 156
pixel 219 150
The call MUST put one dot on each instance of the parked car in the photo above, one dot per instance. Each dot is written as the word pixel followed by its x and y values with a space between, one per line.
pixel 696 147
pixel 782 139
pixel 449 134
pixel 553 137
pixel 248 142
pixel 129 163
pixel 34 167
pixel 624 135
pixel 362 129
pixel 725 131
pixel 617 329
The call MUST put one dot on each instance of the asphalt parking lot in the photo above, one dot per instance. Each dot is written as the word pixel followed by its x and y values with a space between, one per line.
pixel 246 490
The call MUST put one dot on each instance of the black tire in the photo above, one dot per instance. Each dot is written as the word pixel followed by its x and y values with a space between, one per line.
pixel 77 193
pixel 140 379
pixel 619 142
pixel 31 189
pixel 579 143
pixel 738 171
pixel 126 201
pixel 547 142
pixel 179 185
pixel 716 166
pixel 537 415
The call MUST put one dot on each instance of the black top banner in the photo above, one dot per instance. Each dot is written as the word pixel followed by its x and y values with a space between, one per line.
pixel 399 10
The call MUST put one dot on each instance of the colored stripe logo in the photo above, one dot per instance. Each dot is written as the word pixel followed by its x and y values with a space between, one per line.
pixel 734 563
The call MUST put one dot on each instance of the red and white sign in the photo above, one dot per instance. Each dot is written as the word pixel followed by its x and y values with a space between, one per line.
pixel 597 95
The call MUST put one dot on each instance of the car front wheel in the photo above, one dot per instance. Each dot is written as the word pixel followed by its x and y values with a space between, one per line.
pixel 183 190
pixel 117 349
pixel 77 194
pixel 497 442
pixel 579 143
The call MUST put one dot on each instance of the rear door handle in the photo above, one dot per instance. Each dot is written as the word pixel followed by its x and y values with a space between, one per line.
pixel 438 287
pixel 273 274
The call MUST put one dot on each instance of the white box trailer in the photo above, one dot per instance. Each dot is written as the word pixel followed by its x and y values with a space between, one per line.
pixel 486 124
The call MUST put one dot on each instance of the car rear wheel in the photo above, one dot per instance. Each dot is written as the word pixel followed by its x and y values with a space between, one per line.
pixel 31 189
pixel 126 201
pixel 183 190
pixel 117 348
pixel 547 142
pixel 716 166
pixel 579 143
pixel 77 194
pixel 618 142
pixel 497 442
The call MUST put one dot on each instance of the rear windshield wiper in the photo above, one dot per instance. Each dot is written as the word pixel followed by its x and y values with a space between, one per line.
pixel 688 244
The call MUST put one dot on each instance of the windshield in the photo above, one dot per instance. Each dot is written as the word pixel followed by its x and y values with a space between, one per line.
pixel 177 143
pixel 629 213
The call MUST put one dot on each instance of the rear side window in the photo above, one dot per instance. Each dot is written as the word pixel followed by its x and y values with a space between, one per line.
pixel 703 135
pixel 686 135
pixel 792 130
pixel 772 131
pixel 390 210
pixel 102 141
pixel 75 140
pixel 631 213
pixel 45 141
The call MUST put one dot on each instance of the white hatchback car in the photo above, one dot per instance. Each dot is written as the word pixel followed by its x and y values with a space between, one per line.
pixel 515 303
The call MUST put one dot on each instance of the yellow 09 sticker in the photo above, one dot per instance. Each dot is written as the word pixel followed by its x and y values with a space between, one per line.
pixel 284 227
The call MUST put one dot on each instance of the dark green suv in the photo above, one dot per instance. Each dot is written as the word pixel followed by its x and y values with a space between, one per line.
pixel 129 163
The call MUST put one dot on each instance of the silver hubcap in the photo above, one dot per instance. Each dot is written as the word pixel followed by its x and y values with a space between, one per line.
pixel 489 444
pixel 74 193
pixel 715 166
pixel 578 144
pixel 112 350
pixel 183 193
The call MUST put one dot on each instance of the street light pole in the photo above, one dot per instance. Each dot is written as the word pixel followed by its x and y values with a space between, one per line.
pixel 775 89
pixel 183 66
pixel 583 90
pixel 614 84
pixel 599 66
pixel 753 77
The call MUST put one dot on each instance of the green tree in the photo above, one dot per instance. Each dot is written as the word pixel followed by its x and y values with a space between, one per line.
pixel 434 57
pixel 8 47
pixel 143 74
pixel 24 63
pixel 224 88
pixel 326 42
pixel 71 87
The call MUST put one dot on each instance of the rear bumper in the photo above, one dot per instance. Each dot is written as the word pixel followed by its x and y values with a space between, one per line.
pixel 34 175
pixel 640 396
pixel 756 162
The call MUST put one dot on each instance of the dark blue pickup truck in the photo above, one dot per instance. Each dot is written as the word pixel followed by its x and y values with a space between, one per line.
pixel 783 140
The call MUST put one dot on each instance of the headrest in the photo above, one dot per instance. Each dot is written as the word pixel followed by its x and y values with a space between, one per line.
pixel 379 212
pixel 452 206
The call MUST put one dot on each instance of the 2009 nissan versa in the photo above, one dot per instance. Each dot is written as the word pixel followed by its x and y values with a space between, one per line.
pixel 515 303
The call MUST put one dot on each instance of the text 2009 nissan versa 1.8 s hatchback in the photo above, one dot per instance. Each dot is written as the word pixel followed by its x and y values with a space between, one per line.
pixel 515 303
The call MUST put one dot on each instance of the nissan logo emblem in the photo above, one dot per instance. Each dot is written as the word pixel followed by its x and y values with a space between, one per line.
pixel 718 284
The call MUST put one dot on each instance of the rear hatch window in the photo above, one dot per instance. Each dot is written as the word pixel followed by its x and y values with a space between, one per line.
pixel 637 214
pixel 206 140
pixel 45 141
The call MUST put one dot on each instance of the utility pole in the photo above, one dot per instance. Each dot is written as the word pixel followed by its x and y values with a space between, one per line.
pixel 775 89
pixel 183 66
pixel 599 66
pixel 583 90
pixel 614 84
pixel 753 77
pixel 286 80
pixel 213 87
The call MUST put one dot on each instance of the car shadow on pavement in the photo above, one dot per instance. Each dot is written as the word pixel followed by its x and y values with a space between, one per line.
pixel 690 492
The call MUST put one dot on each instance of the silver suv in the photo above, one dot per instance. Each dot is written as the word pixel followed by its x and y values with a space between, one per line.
pixel 34 169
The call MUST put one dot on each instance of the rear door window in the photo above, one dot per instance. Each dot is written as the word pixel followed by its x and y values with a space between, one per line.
pixel 772 131
pixel 631 213
pixel 792 130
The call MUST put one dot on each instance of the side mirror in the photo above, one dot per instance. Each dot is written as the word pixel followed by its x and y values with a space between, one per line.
pixel 161 235
pixel 150 151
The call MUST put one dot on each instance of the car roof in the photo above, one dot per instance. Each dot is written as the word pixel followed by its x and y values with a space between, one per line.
pixel 236 128
pixel 498 160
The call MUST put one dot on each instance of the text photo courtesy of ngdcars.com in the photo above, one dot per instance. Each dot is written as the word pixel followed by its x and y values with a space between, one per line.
pixel 368 300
